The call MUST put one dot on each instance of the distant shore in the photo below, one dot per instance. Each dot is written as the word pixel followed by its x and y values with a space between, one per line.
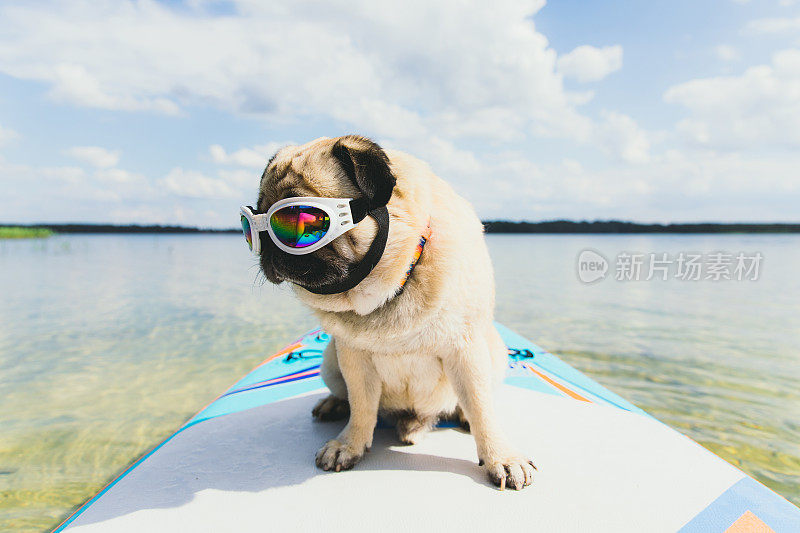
pixel 492 226
pixel 617 226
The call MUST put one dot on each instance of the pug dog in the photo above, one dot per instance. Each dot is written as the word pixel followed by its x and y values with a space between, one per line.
pixel 413 338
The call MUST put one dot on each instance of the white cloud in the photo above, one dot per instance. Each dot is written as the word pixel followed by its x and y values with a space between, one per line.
pixel 94 155
pixel 621 136
pixel 486 75
pixel 775 25
pixel 353 62
pixel 572 166
pixel 453 84
pixel 726 52
pixel 670 186
pixel 68 191
pixel 760 107
pixel 192 184
pixel 588 63
pixel 255 157
pixel 119 176
pixel 124 197
pixel 6 134
pixel 242 179
pixel 674 186
pixel 73 84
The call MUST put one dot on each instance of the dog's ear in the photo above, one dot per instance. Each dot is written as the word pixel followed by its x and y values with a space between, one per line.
pixel 367 166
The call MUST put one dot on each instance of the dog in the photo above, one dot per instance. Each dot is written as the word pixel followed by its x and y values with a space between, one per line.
pixel 414 339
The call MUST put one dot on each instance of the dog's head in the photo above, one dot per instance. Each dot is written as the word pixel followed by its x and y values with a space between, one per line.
pixel 345 167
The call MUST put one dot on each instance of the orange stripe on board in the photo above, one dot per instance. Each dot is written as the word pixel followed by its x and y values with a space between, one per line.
pixel 312 333
pixel 559 386
pixel 288 349
pixel 749 523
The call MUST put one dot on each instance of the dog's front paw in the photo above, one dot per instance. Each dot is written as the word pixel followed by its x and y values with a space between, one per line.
pixel 338 456
pixel 511 471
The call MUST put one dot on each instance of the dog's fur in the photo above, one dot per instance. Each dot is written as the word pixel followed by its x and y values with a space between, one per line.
pixel 426 353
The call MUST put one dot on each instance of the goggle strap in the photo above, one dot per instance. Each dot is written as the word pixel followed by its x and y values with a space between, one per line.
pixel 359 207
pixel 362 269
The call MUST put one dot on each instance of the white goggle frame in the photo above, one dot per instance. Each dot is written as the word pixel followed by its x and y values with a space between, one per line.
pixel 337 209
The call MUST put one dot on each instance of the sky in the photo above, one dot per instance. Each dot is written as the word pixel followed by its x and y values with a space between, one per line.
pixel 115 111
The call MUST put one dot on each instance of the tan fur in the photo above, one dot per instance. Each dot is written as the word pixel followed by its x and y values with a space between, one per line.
pixel 429 350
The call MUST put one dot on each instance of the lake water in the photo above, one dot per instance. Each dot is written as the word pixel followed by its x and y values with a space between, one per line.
pixel 109 342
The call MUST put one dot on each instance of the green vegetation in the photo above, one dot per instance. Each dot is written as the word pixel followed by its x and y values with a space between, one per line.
pixel 11 232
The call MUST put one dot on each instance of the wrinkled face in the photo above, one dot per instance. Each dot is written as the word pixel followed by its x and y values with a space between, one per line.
pixel 327 168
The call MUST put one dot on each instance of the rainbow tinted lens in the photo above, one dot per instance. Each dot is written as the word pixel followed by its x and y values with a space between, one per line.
pixel 247 233
pixel 299 226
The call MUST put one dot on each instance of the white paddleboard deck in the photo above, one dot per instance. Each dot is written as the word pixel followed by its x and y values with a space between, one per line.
pixel 246 463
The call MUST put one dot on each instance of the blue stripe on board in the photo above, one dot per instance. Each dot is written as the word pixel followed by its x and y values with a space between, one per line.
pixel 240 403
pixel 746 495
pixel 108 487
pixel 256 387
pixel 257 397
pixel 313 337
pixel 263 384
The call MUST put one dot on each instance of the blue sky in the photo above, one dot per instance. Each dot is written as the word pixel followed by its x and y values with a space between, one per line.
pixel 165 112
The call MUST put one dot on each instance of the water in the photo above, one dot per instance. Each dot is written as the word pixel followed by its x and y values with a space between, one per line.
pixel 108 343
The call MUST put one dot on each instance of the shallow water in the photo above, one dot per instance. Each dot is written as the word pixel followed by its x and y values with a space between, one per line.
pixel 109 342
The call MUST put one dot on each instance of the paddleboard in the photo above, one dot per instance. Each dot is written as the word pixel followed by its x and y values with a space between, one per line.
pixel 246 463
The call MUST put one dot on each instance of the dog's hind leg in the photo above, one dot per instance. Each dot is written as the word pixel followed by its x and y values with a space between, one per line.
pixel 331 408
pixel 459 418
pixel 411 427
pixel 335 406
pixel 456 416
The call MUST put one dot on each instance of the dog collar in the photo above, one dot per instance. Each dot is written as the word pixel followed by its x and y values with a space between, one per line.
pixel 417 253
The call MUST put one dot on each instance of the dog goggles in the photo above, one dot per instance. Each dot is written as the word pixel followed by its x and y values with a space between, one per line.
pixel 302 224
